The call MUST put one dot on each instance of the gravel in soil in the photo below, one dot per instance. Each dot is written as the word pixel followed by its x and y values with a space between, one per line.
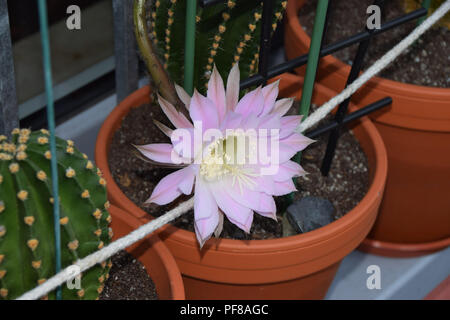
pixel 128 280
pixel 425 63
pixel 344 187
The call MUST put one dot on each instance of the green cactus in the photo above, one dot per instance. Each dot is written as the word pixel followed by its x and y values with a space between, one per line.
pixel 27 248
pixel 226 33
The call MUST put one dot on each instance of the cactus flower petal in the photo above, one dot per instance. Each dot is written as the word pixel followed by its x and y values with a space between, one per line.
pixel 251 103
pixel 216 93
pixel 282 106
pixel 183 95
pixel 168 189
pixel 270 93
pixel 178 119
pixel 232 94
pixel 203 109
pixel 160 152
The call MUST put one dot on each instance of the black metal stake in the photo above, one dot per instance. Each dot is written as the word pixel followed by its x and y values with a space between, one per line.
pixel 350 117
pixel 266 28
pixel 342 109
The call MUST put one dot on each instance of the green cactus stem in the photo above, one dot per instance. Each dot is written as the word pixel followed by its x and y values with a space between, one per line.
pixel 225 34
pixel 160 78
pixel 27 248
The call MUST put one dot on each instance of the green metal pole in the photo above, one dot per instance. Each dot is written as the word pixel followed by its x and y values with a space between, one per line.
pixel 189 49
pixel 425 4
pixel 311 67
pixel 51 126
pixel 313 57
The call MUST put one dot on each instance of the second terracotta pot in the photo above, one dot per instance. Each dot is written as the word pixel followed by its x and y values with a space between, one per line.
pixel 153 254
pixel 414 216
pixel 296 267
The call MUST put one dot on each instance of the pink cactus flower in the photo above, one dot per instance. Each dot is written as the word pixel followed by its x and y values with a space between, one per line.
pixel 223 184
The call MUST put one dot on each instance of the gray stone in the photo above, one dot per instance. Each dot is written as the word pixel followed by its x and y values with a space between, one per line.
pixel 310 213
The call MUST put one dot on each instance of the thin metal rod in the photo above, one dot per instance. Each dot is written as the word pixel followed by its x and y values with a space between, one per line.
pixel 126 58
pixel 45 40
pixel 331 48
pixel 351 117
pixel 342 109
pixel 266 30
pixel 9 113
pixel 189 49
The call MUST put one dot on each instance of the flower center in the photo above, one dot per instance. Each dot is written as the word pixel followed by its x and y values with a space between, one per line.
pixel 225 157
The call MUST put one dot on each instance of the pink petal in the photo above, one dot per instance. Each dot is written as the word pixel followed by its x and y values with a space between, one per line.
pixel 160 152
pixel 168 188
pixel 204 203
pixel 165 129
pixel 202 109
pixel 270 93
pixel 284 187
pixel 232 121
pixel 183 95
pixel 288 125
pixel 187 183
pixel 235 212
pixel 206 212
pixel 268 207
pixel 248 198
pixel 292 144
pixel 205 228
pixel 282 106
pixel 219 227
pixel 251 103
pixel 269 122
pixel 288 170
pixel 177 119
pixel 264 183
pixel 232 95
pixel 183 148
pixel 216 92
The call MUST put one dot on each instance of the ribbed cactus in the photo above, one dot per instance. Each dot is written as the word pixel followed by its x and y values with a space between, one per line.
pixel 27 247
pixel 226 33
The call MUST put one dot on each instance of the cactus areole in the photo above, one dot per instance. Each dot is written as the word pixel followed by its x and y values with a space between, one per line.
pixel 27 248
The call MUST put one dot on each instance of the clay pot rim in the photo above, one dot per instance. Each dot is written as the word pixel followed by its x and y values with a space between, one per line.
pixel 402 250
pixel 171 267
pixel 240 246
pixel 386 84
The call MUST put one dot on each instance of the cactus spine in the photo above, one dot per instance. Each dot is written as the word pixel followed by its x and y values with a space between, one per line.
pixel 226 33
pixel 27 249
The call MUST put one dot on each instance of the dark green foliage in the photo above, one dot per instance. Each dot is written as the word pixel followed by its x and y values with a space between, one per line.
pixel 225 33
pixel 27 249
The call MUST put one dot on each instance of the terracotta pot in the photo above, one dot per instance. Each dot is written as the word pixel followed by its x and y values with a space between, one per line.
pixel 153 254
pixel 414 217
pixel 297 267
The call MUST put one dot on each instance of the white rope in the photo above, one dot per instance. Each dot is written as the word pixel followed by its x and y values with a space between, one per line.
pixel 122 243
